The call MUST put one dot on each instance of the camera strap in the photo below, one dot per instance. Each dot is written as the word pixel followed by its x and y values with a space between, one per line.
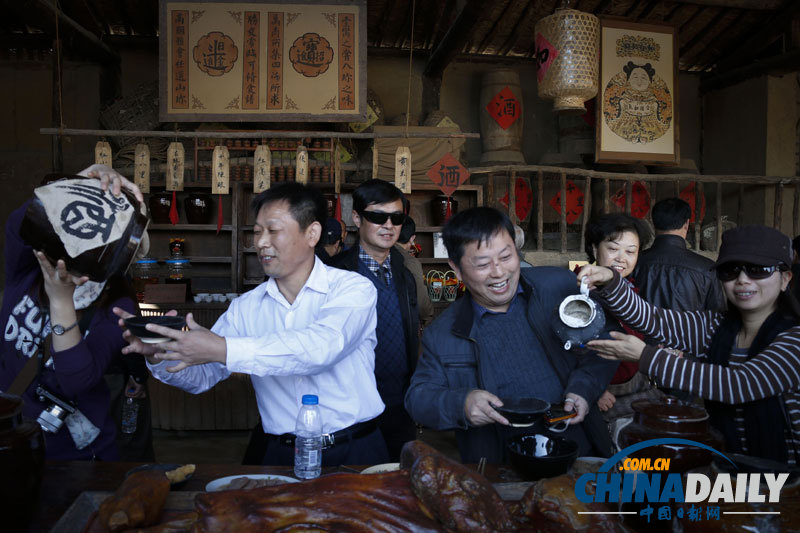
pixel 32 368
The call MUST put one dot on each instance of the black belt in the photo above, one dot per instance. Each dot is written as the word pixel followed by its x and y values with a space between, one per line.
pixel 329 440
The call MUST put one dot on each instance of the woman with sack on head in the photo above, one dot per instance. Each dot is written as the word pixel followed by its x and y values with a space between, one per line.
pixel 67 318
pixel 745 362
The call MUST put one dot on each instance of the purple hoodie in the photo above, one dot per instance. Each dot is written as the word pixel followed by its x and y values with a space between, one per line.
pixel 76 374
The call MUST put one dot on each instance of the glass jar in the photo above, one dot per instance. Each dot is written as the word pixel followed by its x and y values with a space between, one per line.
pixel 179 271
pixel 145 272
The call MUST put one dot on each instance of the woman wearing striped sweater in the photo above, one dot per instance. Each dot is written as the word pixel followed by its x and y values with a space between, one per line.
pixel 744 362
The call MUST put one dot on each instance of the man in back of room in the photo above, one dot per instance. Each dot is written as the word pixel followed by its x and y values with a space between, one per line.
pixel 378 214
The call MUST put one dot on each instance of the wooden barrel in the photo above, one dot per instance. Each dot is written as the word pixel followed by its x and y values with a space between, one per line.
pixel 501 145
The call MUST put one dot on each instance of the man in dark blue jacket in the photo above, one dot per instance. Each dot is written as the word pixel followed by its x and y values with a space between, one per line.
pixel 378 212
pixel 496 342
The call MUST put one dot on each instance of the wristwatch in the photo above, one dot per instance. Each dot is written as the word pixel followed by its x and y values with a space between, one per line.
pixel 58 329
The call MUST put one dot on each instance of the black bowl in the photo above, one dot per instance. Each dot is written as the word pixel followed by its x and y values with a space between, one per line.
pixel 523 412
pixel 136 324
pixel 540 456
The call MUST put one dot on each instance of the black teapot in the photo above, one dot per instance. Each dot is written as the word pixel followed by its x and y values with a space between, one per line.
pixel 578 319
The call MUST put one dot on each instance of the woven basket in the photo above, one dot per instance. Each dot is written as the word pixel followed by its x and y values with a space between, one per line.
pixel 138 111
pixel 572 78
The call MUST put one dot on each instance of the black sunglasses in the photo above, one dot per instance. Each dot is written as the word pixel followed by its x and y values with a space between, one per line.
pixel 379 218
pixel 730 271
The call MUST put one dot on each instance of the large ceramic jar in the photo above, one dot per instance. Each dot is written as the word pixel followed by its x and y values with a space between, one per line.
pixel 198 207
pixel 439 205
pixel 671 418
pixel 160 204
pixel 21 462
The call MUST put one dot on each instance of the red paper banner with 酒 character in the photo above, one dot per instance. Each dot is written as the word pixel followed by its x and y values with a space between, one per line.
pixel 640 201
pixel 504 108
pixel 448 174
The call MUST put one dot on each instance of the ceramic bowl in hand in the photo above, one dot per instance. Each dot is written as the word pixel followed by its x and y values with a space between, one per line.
pixel 136 325
pixel 540 456
pixel 522 412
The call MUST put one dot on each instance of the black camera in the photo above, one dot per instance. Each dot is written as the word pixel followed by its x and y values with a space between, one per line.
pixel 52 417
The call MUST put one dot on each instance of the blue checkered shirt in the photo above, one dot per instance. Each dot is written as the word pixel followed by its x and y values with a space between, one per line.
pixel 381 270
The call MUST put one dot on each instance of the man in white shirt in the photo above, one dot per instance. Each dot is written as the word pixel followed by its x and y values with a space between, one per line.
pixel 310 329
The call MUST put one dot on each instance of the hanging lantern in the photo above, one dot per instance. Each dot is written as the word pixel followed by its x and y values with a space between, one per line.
pixel 567 52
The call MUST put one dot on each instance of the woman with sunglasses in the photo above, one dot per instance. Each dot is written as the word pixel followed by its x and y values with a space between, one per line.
pixel 745 362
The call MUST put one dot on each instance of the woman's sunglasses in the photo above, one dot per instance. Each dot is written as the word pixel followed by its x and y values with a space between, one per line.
pixel 376 217
pixel 730 271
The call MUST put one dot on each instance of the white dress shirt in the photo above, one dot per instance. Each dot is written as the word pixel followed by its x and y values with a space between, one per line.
pixel 323 344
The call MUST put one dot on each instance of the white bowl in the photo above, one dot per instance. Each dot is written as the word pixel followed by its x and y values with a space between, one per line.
pixel 232 295
pixel 198 298
pixel 218 297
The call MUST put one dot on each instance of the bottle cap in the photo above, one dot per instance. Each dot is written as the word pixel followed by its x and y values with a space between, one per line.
pixel 310 399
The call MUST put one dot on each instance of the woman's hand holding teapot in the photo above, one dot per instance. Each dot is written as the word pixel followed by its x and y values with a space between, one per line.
pixel 596 276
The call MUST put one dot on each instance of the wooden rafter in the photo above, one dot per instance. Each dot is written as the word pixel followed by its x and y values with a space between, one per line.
pixel 453 41
pixel 703 32
pixel 497 27
pixel 385 18
pixel 711 53
pixel 515 33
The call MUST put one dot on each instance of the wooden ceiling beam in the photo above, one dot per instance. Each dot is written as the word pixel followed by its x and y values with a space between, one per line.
pixel 782 64
pixel 756 5
pixel 712 53
pixel 518 27
pixel 746 49
pixel 495 29
pixel 453 41
pixel 387 14
pixel 703 33
pixel 405 28
pixel 88 36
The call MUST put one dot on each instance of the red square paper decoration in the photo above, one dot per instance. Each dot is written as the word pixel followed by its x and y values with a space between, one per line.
pixel 640 204
pixel 574 202
pixel 546 53
pixel 689 195
pixel 504 108
pixel 447 174
pixel 524 198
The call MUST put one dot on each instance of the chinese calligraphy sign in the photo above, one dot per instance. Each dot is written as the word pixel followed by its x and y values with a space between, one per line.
pixel 448 174
pixel 248 61
pixel 505 108
pixel 574 202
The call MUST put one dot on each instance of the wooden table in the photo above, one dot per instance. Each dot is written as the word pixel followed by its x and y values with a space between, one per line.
pixel 64 481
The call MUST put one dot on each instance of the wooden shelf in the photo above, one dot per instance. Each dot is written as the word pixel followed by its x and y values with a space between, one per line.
pixel 190 227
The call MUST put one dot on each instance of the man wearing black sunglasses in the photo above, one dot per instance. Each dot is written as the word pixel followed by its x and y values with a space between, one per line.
pixel 378 213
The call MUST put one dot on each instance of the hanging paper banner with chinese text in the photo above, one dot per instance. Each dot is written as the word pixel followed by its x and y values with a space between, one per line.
pixel 640 202
pixel 574 202
pixel 523 199
pixel 448 174
pixel 102 153
pixel 229 60
pixel 689 195
pixel 220 179
pixel 141 167
pixel 262 164
pixel 402 169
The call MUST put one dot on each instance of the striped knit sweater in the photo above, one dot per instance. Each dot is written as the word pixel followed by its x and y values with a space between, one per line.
pixel 776 370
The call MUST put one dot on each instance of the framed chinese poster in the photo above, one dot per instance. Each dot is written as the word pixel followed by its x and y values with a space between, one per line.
pixel 637 116
pixel 263 62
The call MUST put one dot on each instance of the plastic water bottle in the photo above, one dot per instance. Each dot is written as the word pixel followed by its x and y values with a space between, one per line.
pixel 308 439
pixel 130 412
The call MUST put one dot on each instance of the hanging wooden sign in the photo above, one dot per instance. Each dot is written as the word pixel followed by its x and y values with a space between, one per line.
pixel 222 170
pixel 102 153
pixel 337 169
pixel 402 169
pixel 301 162
pixel 375 159
pixel 262 164
pixel 141 167
pixel 175 163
